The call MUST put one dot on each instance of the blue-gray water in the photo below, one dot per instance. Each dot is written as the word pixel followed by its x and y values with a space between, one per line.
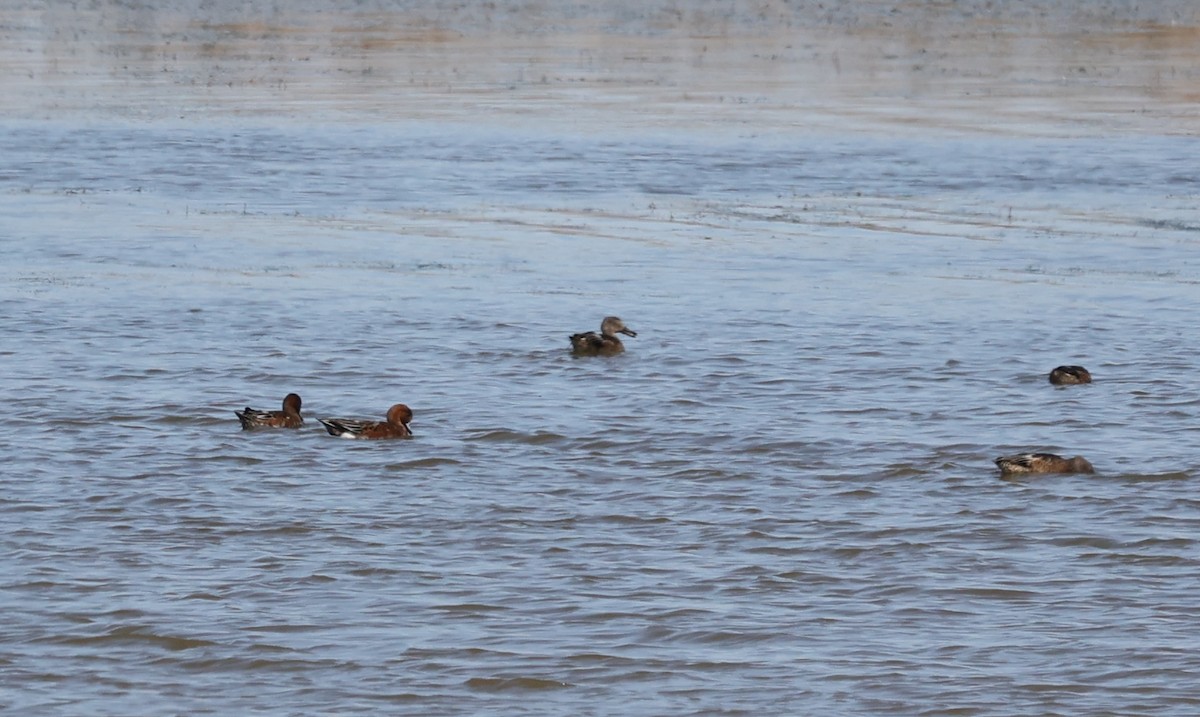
pixel 780 500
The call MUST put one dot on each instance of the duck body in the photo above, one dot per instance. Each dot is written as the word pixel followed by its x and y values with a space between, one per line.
pixel 289 417
pixel 604 343
pixel 1070 375
pixel 396 425
pixel 1031 463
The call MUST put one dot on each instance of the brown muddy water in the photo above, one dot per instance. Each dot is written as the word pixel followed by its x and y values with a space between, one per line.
pixel 853 241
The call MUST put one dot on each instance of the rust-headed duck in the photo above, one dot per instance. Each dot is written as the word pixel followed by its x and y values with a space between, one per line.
pixel 289 417
pixel 396 426
pixel 1029 463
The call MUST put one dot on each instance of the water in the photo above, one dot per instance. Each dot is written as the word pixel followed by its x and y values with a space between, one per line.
pixel 780 500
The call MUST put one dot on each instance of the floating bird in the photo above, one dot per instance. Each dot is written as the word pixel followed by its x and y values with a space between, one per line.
pixel 604 343
pixel 396 426
pixel 1069 375
pixel 1028 463
pixel 289 417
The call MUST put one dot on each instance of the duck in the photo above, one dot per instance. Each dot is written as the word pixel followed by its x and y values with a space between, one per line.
pixel 1070 375
pixel 604 343
pixel 289 417
pixel 1029 463
pixel 396 425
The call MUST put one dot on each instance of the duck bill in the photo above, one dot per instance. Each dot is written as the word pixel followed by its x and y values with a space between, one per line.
pixel 629 332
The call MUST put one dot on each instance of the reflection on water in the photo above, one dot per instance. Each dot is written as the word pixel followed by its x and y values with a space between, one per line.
pixel 780 499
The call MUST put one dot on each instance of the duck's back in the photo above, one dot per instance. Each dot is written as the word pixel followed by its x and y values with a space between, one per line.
pixel 591 343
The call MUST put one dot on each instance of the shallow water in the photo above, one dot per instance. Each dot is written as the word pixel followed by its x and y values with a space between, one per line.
pixel 779 500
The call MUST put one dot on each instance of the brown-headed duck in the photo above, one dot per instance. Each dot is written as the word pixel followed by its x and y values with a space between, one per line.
pixel 1029 463
pixel 289 417
pixel 396 426
pixel 604 343
pixel 1070 375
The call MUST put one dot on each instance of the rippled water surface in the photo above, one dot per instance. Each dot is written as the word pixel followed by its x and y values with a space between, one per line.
pixel 779 500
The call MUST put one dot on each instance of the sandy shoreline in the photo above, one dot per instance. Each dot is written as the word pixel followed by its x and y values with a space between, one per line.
pixel 782 69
